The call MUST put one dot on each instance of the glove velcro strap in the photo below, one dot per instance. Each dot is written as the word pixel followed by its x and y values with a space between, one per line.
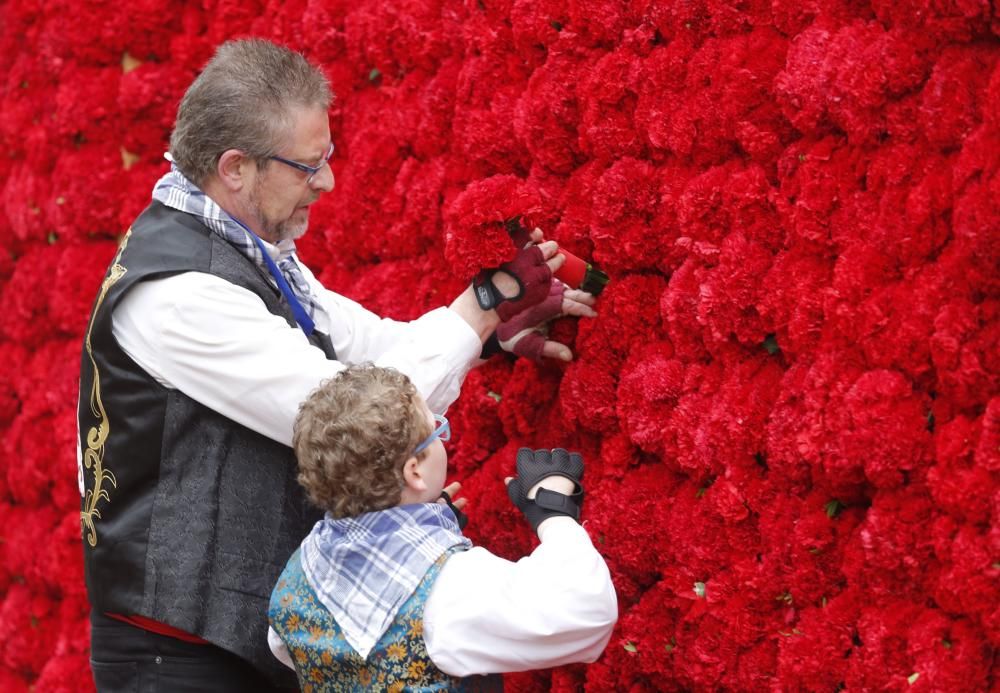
pixel 488 296
pixel 554 502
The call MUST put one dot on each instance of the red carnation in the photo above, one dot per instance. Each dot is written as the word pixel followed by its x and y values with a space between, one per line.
pixel 607 102
pixel 967 583
pixel 66 674
pixel 891 552
pixel 476 428
pixel 881 425
pixel 475 235
pixel 650 386
pixel 964 347
pixel 792 300
pixel 625 204
pixel 28 622
pixel 547 114
pixel 960 486
pixel 396 38
pixel 627 524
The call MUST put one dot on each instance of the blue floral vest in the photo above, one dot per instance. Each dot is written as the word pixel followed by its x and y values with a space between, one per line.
pixel 324 661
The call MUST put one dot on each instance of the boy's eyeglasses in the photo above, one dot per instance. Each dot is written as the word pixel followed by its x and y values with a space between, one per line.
pixel 305 168
pixel 443 431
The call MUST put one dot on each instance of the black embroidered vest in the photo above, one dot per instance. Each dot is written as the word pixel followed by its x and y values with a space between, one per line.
pixel 188 517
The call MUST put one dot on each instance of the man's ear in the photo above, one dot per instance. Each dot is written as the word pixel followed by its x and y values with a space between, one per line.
pixel 233 170
pixel 411 475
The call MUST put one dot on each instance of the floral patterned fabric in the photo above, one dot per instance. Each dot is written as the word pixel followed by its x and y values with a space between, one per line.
pixel 324 661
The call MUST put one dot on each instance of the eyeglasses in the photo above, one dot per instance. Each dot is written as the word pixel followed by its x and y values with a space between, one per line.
pixel 311 170
pixel 443 431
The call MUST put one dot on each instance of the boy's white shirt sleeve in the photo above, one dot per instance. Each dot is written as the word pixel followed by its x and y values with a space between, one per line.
pixel 489 615
pixel 278 648
pixel 217 343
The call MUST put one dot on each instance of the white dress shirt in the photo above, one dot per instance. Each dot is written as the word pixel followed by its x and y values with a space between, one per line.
pixel 217 343
pixel 489 615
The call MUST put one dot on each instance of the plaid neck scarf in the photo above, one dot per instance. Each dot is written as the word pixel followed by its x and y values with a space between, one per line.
pixel 363 569
pixel 177 192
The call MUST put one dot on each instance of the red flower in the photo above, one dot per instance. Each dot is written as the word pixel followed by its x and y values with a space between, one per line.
pixel 607 103
pixel 28 622
pixel 625 203
pixel 650 386
pixel 891 553
pixel 547 113
pixel 881 426
pixel 66 674
pixel 475 235
pixel 961 485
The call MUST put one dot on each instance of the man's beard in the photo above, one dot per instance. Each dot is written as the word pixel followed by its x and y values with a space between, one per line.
pixel 285 229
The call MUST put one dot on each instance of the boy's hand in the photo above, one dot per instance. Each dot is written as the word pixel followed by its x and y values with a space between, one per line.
pixel 456 505
pixel 547 484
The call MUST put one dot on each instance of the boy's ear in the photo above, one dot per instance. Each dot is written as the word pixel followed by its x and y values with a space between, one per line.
pixel 412 476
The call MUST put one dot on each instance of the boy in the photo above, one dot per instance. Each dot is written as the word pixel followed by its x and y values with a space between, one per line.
pixel 385 592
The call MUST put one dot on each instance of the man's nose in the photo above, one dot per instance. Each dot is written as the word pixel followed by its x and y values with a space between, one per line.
pixel 323 181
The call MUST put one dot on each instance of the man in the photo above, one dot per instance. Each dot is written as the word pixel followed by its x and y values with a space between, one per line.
pixel 205 336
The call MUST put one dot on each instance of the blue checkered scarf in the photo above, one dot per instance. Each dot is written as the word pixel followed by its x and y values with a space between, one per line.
pixel 364 568
pixel 177 192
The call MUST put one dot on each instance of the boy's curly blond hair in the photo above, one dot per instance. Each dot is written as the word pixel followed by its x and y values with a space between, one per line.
pixel 352 436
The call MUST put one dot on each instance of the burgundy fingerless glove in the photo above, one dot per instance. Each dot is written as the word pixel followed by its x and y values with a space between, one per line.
pixel 522 335
pixel 533 277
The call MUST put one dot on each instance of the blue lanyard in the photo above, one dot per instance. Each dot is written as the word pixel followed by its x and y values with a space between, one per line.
pixel 301 316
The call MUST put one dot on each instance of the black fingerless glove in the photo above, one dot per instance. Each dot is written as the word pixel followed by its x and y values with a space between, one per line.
pixel 532 467
pixel 460 517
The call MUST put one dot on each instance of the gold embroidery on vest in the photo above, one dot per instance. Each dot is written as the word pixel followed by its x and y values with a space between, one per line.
pixel 93 456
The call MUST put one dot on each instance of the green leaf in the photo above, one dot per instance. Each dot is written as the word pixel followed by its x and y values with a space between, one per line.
pixel 671 646
pixel 494 395
pixel 833 508
pixel 823 601
pixel 699 589
pixel 802 157
pixel 629 647
pixel 784 597
pixel 704 489
pixel 771 344
pixel 912 678
pixel 946 644
pixel 52 237
pixel 374 74
pixel 556 25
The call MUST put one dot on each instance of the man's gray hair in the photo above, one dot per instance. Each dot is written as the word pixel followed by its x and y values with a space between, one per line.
pixel 243 100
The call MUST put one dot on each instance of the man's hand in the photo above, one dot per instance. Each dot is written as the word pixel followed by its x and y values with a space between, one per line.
pixel 525 333
pixel 521 283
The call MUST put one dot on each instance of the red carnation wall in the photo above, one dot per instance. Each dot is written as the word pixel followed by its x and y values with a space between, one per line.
pixel 790 400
